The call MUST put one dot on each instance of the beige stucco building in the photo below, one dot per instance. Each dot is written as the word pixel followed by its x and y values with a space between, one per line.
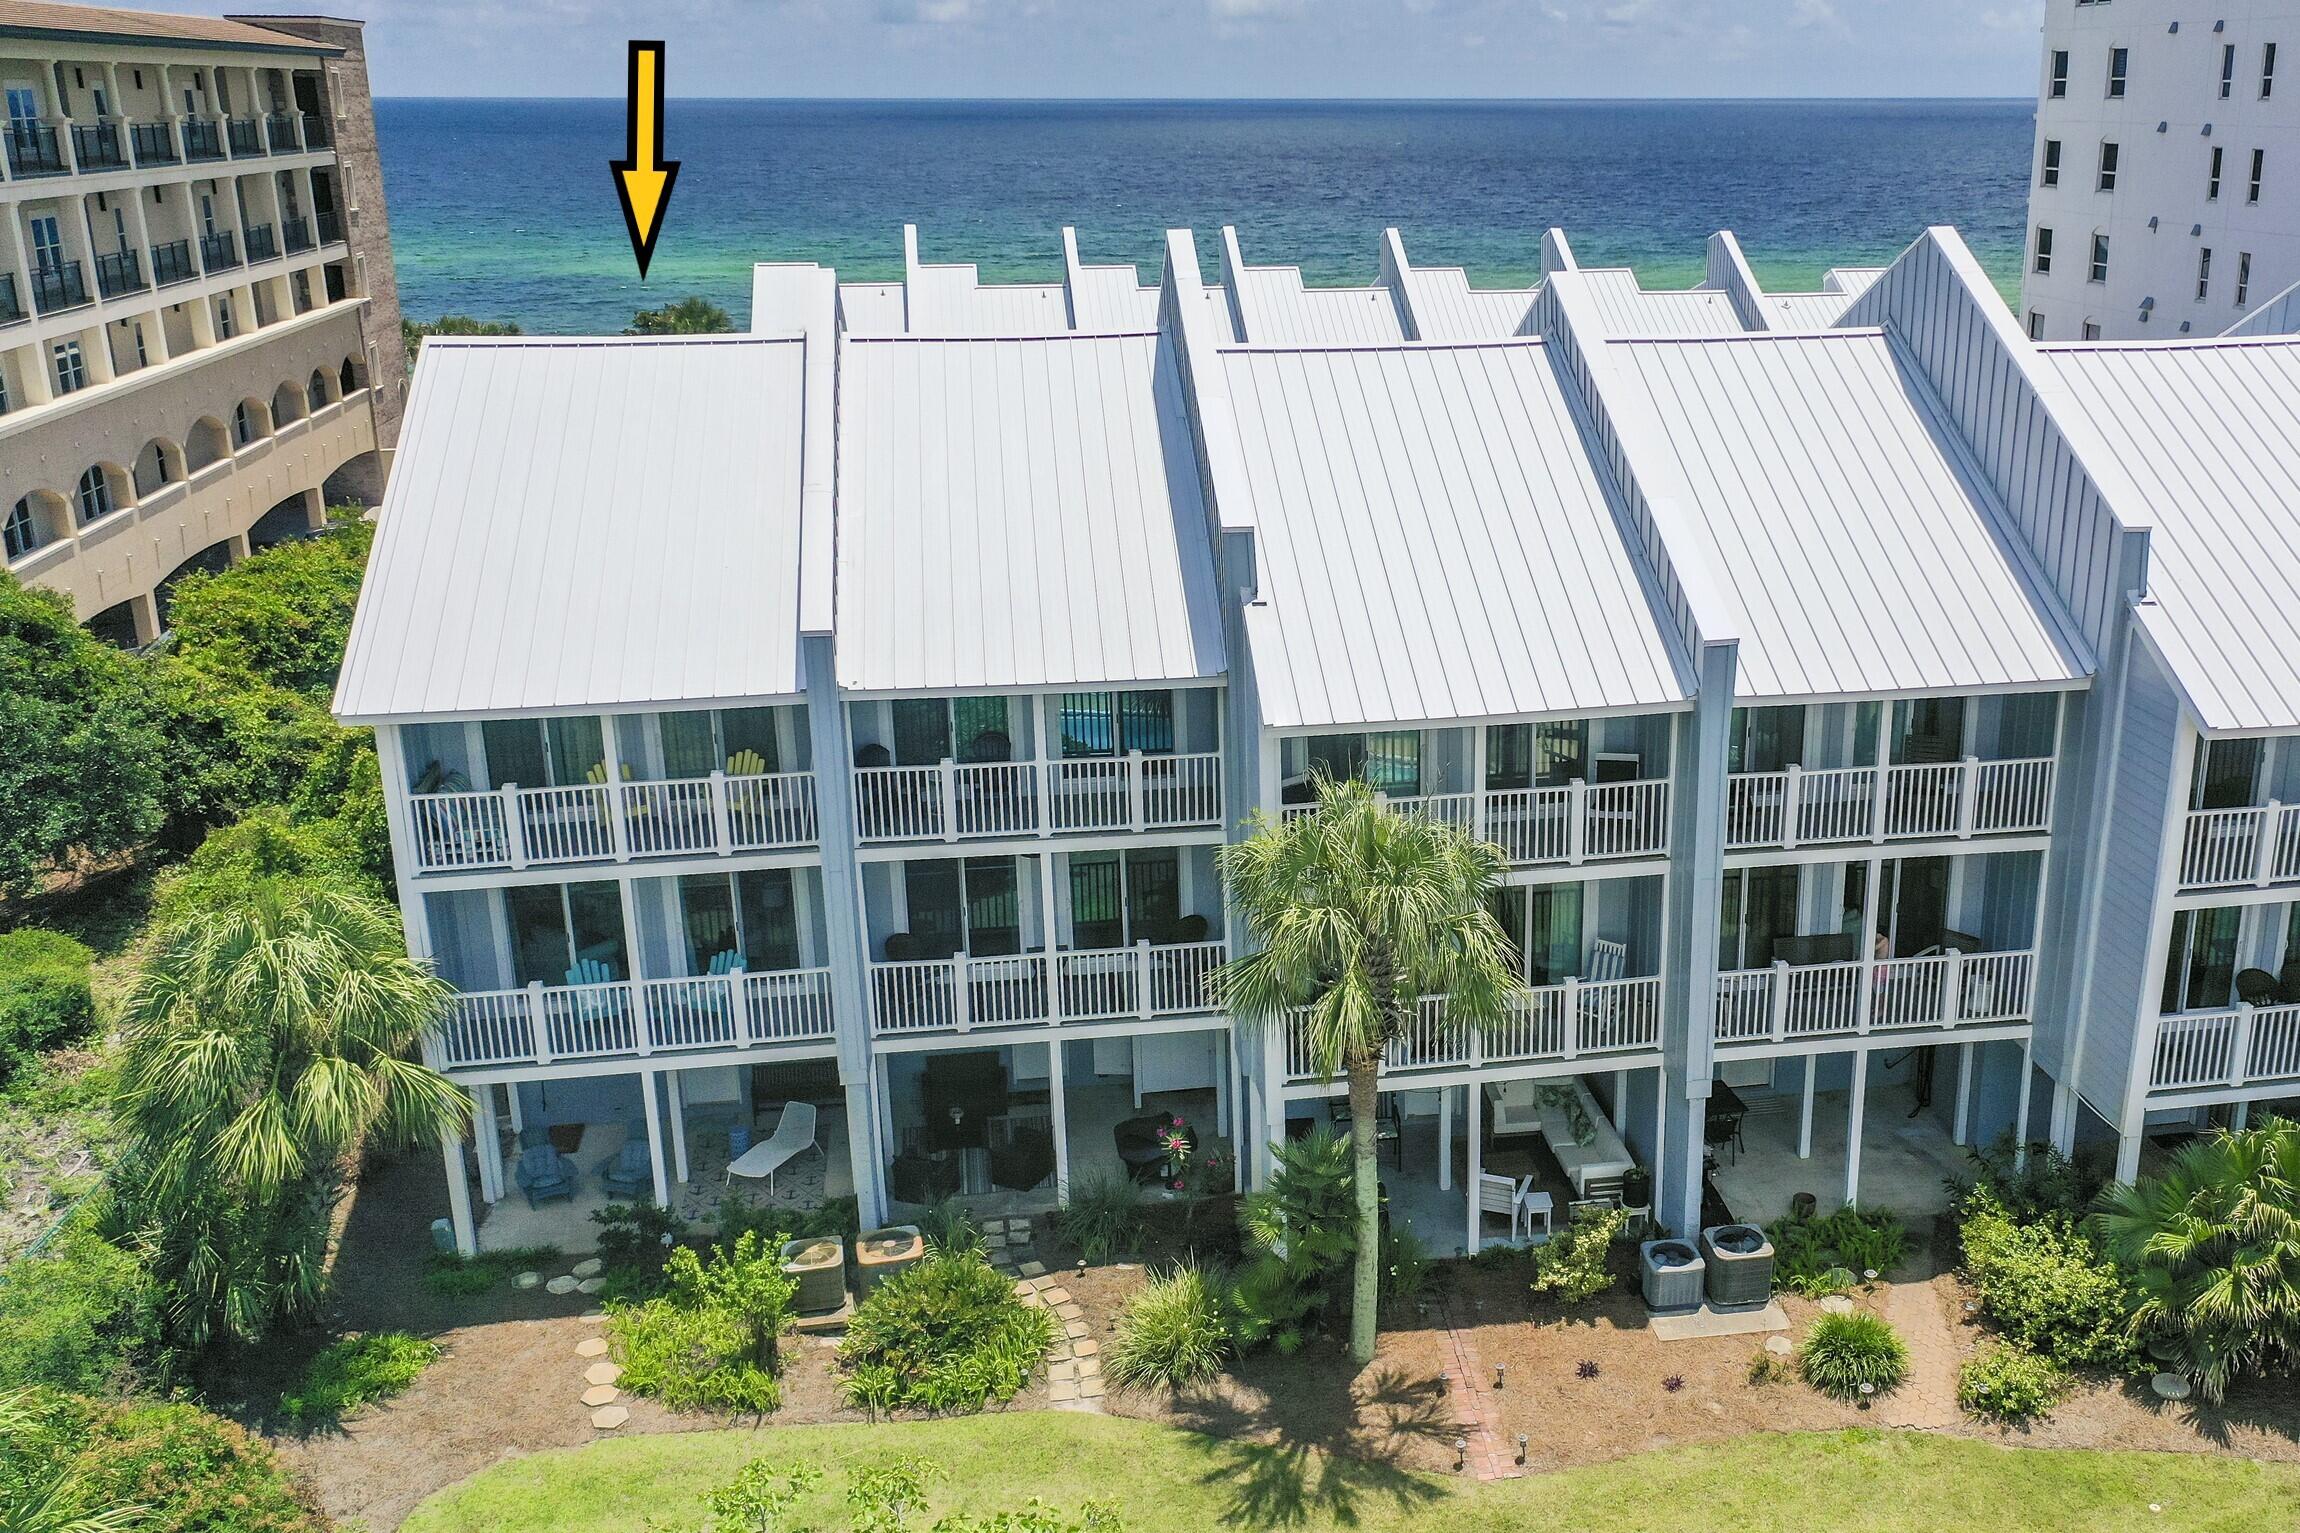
pixel 199 333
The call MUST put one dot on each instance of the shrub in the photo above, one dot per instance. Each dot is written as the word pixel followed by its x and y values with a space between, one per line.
pixel 460 1276
pixel 711 1340
pixel 1571 1263
pixel 840 1217
pixel 1818 1257
pixel 281 617
pixel 1767 1368
pixel 635 1243
pixel 190 1472
pixel 947 1334
pixel 1303 1231
pixel 2047 1286
pixel 45 1001
pixel 947 1227
pixel 2043 1183
pixel 1408 1274
pixel 82 1315
pixel 1104 1217
pixel 1852 1356
pixel 357 1370
pixel 1175 1331
pixel 2009 1384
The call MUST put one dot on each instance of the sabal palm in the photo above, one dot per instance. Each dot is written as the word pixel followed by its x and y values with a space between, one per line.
pixel 2214 1248
pixel 1356 912
pixel 266 1041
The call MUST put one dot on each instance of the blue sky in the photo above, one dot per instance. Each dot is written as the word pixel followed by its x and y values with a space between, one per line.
pixel 1208 47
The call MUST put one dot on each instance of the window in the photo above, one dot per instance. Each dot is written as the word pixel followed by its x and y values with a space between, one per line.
pixel 2259 169
pixel 952 906
pixel 2091 330
pixel 1765 739
pixel 2059 86
pixel 2051 175
pixel 2267 70
pixel 2212 182
pixel 315 392
pixel 2035 325
pixel 2243 277
pixel 22 534
pixel 2043 263
pixel 71 368
pixel 1544 925
pixel 143 357
pixel 2099 268
pixel 2107 167
pixel 1114 723
pixel 2227 70
pixel 2203 273
pixel 95 495
pixel 223 319
pixel 243 424
pixel 564 934
pixel 749 920
pixel 1116 901
pixel 2116 61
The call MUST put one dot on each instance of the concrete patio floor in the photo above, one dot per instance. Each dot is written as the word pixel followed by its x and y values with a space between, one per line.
pixel 1905 1161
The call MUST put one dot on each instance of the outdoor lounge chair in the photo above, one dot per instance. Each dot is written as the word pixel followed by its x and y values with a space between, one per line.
pixel 629 1174
pixel 544 1174
pixel 794 1132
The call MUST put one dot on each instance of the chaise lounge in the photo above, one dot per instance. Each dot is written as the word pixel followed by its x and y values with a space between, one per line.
pixel 794 1132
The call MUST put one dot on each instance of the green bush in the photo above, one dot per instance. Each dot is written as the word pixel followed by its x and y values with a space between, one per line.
pixel 1572 1263
pixel 949 1228
pixel 460 1276
pixel 281 617
pixel 1818 1257
pixel 1103 1218
pixel 189 1471
pixel 1302 1229
pixel 2046 1286
pixel 837 1217
pixel 2008 1384
pixel 2032 1186
pixel 711 1340
pixel 355 1371
pixel 1175 1331
pixel 1852 1356
pixel 635 1244
pixel 81 1315
pixel 947 1334
pixel 45 1001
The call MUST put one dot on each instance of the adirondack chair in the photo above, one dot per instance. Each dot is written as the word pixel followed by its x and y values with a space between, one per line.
pixel 1608 961
pixel 746 797
pixel 544 1174
pixel 629 1173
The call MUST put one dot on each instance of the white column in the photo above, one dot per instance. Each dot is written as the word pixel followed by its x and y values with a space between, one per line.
pixel 1959 1132
pixel 862 1145
pixel 489 1141
pixel 647 1080
pixel 1853 1117
pixel 458 1193
pixel 2020 1104
pixel 1805 1109
pixel 2239 1116
pixel 1476 1127
pixel 2128 1157
pixel 1445 1138
pixel 1054 1095
pixel 673 1078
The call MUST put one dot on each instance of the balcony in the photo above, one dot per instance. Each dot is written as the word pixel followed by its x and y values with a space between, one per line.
pixel 1919 801
pixel 154 142
pixel 172 263
pixel 261 245
pixel 2241 848
pixel 59 287
pixel 1608 1021
pixel 968 994
pixel 330 227
pixel 952 801
pixel 280 133
pixel 515 827
pixel 2233 1049
pixel 295 234
pixel 96 146
pixel 33 149
pixel 1788 1003
pixel 1579 822
pixel 634 1019
pixel 246 137
pixel 118 273
pixel 203 139
pixel 316 133
pixel 219 251
pixel 11 301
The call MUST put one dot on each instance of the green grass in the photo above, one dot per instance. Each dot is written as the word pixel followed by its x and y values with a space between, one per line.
pixel 355 1371
pixel 1162 1479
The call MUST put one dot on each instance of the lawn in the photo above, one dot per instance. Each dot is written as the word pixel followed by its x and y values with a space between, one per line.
pixel 1163 1479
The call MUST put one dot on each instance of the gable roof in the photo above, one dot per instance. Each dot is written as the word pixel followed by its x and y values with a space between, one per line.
pixel 30 18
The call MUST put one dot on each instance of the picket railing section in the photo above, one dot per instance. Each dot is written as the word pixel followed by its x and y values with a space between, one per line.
pixel 2237 1047
pixel 1579 822
pixel 2239 848
pixel 1787 1002
pixel 544 1024
pixel 1601 1020
pixel 1950 799
pixel 962 993
pixel 954 801
pixel 515 827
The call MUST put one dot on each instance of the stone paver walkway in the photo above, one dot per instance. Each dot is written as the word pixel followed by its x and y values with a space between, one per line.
pixel 1074 1363
pixel 1928 1396
pixel 1477 1415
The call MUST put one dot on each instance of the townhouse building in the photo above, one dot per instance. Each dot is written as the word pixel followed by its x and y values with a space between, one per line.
pixel 199 340
pixel 842 720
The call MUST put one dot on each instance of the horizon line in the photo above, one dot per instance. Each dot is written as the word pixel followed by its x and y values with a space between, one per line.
pixel 828 100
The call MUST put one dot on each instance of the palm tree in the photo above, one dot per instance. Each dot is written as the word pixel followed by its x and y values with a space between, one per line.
pixel 1358 912
pixel 267 1039
pixel 689 316
pixel 2213 1245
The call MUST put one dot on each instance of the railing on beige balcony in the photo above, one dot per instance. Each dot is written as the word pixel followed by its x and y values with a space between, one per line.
pixel 961 994
pixel 545 1024
pixel 2236 848
pixel 1787 1002
pixel 1579 822
pixel 2235 1047
pixel 1959 799
pixel 956 801
pixel 515 827
pixel 1596 1019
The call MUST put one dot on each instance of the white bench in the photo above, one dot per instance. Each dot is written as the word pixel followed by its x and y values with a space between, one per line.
pixel 794 1132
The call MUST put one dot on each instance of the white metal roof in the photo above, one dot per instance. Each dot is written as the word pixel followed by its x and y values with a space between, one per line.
pixel 1628 309
pixel 1112 298
pixel 871 308
pixel 1435 542
pixel 586 524
pixel 1279 307
pixel 1019 513
pixel 1821 310
pixel 2207 432
pixel 1847 519
pixel 1447 308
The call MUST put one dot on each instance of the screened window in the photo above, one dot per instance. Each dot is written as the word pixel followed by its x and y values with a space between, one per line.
pixel 1390 760
pixel 95 495
pixel 1552 944
pixel 1116 901
pixel 565 934
pixel 2224 773
pixel 972 906
pixel 1765 739
pixel 2200 971
pixel 1760 908
pixel 746 921
pixel 768 906
pixel 932 729
pixel 538 753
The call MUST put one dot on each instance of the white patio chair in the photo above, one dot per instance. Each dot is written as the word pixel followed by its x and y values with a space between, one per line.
pixel 794 1132
pixel 1500 1195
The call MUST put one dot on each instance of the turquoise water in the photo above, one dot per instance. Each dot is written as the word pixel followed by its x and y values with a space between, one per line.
pixel 504 209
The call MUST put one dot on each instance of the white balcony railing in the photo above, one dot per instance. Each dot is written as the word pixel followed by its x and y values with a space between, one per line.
pixel 2236 1047
pixel 1788 1002
pixel 2237 848
pixel 955 801
pixel 964 993
pixel 1579 822
pixel 1573 1020
pixel 515 827
pixel 544 1024
pixel 1949 799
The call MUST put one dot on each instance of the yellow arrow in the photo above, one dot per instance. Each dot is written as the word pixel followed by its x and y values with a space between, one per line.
pixel 643 178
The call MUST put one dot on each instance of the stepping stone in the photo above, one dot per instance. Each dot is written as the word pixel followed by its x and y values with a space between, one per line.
pixel 1077 1330
pixel 2169 1386
pixel 1062 1370
pixel 1837 1304
pixel 596 1317
pixel 994 1226
pixel 608 1417
pixel 1062 1391
pixel 589 1266
pixel 526 1280
pixel 560 1285
pixel 1779 1346
pixel 1033 1269
pixel 1087 1348
pixel 1032 1301
pixel 1024 1291
pixel 1090 1367
pixel 1057 1295
pixel 601 1394
pixel 1090 1389
pixel 1069 1312
pixel 591 1285
pixel 591 1346
pixel 602 1373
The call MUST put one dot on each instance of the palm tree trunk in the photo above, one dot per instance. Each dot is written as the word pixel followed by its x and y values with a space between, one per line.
pixel 1366 1289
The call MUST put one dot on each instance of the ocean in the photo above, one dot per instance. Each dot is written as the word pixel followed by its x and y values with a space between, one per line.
pixel 504 209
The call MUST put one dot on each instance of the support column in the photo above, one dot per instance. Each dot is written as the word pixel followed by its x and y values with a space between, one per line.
pixel 1445 1138
pixel 1853 1119
pixel 2239 1116
pixel 511 1101
pixel 144 610
pixel 314 509
pixel 458 1193
pixel 1054 1095
pixel 862 1153
pixel 2020 1103
pixel 672 1079
pixel 1476 1127
pixel 2061 1126
pixel 1805 1108
pixel 1961 1126
pixel 2128 1157
pixel 1222 1082
pixel 647 1080
pixel 489 1141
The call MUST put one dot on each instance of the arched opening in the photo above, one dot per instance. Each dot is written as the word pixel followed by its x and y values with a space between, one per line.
pixel 209 443
pixel 250 420
pixel 160 463
pixel 211 560
pixel 352 377
pixel 315 391
pixel 102 490
pixel 33 522
pixel 287 404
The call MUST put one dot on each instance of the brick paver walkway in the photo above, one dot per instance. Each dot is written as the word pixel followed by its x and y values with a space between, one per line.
pixel 1928 1397
pixel 1477 1415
